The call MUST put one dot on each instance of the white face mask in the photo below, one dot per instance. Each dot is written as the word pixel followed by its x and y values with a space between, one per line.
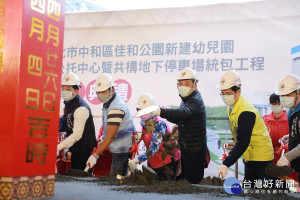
pixel 276 108
pixel 287 102
pixel 228 99
pixel 146 117
pixel 66 95
pixel 104 97
pixel 184 91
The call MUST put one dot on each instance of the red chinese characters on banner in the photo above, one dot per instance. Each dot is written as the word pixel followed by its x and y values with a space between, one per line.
pixel 40 75
pixel 122 87
pixel 91 95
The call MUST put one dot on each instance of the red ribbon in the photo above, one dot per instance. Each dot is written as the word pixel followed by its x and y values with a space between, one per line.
pixel 224 154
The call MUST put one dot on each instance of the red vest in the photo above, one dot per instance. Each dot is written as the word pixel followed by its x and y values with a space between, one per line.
pixel 155 161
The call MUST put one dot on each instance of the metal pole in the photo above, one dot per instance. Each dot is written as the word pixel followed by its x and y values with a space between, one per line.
pixel 236 169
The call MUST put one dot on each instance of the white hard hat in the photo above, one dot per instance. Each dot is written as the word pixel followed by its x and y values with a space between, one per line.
pixel 288 84
pixel 229 79
pixel 186 74
pixel 145 100
pixel 103 82
pixel 70 79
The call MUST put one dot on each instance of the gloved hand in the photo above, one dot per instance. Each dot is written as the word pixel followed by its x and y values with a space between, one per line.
pixel 283 161
pixel 223 171
pixel 156 112
pixel 65 153
pixel 100 140
pixel 284 140
pixel 132 164
pixel 229 145
pixel 138 136
pixel 91 161
pixel 59 147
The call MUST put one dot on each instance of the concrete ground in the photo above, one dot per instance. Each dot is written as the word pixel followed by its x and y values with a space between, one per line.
pixel 92 191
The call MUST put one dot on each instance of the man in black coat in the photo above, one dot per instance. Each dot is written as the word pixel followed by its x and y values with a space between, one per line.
pixel 191 121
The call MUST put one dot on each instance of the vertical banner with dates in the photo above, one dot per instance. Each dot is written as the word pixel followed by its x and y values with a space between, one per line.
pixel 31 46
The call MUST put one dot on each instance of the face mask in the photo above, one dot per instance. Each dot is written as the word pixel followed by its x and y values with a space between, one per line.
pixel 146 117
pixel 287 102
pixel 276 108
pixel 66 95
pixel 104 97
pixel 228 99
pixel 184 91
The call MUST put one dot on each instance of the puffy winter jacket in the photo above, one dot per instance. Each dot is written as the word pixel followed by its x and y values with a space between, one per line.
pixel 191 120
pixel 294 135
pixel 88 140
pixel 277 127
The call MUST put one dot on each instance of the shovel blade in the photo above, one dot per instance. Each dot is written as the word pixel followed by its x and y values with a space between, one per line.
pixel 278 171
pixel 78 173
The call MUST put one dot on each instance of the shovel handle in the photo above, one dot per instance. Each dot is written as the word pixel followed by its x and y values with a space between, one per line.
pixel 86 168
pixel 282 152
pixel 221 176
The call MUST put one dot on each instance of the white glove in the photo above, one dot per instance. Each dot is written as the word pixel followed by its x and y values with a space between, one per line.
pixel 229 145
pixel 91 161
pixel 283 161
pixel 156 112
pixel 100 140
pixel 65 153
pixel 223 171
pixel 132 164
pixel 284 139
pixel 138 136
pixel 59 147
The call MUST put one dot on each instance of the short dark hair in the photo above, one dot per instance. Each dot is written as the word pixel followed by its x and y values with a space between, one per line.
pixel 274 98
pixel 111 88
pixel 75 87
pixel 195 81
pixel 235 88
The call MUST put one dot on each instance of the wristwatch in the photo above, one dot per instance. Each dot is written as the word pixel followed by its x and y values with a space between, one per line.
pixel 95 155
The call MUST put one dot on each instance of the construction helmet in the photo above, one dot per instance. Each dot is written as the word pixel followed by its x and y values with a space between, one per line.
pixel 145 100
pixel 288 84
pixel 186 74
pixel 229 79
pixel 70 79
pixel 103 82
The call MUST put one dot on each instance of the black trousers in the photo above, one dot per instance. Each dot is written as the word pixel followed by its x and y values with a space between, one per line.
pixel 255 170
pixel 192 166
pixel 119 164
pixel 78 160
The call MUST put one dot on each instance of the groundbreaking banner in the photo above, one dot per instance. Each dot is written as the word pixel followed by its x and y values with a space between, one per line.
pixel 144 50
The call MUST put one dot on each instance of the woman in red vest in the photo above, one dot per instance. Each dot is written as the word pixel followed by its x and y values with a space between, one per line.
pixel 160 159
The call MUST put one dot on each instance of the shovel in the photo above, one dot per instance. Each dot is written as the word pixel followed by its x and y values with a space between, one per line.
pixel 278 171
pixel 79 173
pixel 147 110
